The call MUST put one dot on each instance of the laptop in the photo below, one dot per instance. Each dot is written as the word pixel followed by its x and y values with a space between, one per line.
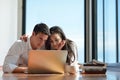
pixel 47 61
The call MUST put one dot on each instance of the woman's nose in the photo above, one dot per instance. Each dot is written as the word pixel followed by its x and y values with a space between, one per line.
pixel 54 43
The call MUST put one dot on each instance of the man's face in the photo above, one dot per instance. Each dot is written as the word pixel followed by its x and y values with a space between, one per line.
pixel 38 40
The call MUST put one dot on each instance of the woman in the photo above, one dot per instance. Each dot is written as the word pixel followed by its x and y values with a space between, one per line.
pixel 58 41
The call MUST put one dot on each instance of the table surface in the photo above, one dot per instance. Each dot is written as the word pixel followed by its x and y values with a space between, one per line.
pixel 110 75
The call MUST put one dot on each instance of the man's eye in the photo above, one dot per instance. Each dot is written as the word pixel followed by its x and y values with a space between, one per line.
pixel 40 39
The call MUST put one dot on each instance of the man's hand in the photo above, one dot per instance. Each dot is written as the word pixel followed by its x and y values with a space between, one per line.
pixel 20 70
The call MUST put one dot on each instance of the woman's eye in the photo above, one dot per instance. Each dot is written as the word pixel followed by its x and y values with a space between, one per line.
pixel 56 40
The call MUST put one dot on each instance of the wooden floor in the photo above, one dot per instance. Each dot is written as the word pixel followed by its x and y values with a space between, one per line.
pixel 110 75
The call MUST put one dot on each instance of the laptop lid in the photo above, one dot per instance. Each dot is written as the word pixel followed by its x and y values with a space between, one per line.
pixel 47 61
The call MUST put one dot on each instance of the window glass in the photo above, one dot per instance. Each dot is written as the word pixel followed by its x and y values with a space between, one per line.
pixel 106 41
pixel 110 31
pixel 119 26
pixel 100 29
pixel 68 14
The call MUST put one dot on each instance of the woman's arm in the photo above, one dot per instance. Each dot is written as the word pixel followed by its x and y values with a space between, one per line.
pixel 24 37
pixel 75 51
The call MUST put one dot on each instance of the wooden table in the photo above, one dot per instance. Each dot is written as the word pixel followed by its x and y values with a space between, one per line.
pixel 110 75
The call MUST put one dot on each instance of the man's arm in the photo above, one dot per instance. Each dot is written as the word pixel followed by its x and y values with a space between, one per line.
pixel 20 70
pixel 11 60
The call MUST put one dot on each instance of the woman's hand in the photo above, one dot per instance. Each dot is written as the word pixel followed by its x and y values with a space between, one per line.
pixel 70 69
pixel 24 37
pixel 61 44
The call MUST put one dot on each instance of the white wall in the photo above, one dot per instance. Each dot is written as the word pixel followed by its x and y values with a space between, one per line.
pixel 9 26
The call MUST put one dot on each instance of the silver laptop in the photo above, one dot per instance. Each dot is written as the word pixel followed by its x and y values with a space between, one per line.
pixel 47 61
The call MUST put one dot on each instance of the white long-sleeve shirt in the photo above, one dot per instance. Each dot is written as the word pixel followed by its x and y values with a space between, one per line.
pixel 75 63
pixel 74 48
pixel 17 55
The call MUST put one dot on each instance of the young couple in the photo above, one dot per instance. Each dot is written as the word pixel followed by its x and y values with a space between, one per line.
pixel 42 38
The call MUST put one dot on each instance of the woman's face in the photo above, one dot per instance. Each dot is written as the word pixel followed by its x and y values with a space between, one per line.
pixel 55 41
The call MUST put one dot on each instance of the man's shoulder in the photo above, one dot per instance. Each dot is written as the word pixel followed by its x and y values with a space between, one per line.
pixel 19 45
pixel 20 42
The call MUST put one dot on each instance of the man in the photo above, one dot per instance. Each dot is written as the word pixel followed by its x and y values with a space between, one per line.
pixel 17 57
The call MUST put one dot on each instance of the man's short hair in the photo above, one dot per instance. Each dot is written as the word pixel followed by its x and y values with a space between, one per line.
pixel 41 27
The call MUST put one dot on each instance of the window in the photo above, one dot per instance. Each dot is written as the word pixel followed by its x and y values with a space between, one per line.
pixel 68 14
pixel 107 30
pixel 100 29
pixel 118 4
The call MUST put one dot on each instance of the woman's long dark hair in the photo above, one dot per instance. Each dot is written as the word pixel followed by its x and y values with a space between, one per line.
pixel 67 46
